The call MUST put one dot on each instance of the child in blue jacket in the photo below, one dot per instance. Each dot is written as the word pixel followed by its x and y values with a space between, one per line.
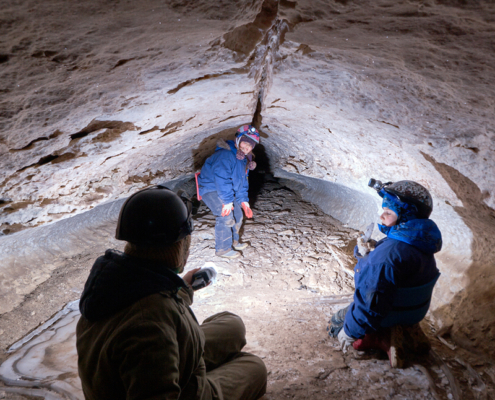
pixel 223 185
pixel 395 281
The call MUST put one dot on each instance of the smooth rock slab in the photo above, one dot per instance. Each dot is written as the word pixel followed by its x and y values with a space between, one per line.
pixel 47 358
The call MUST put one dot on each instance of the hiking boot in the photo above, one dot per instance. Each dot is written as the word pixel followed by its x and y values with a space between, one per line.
pixel 390 340
pixel 239 246
pixel 228 254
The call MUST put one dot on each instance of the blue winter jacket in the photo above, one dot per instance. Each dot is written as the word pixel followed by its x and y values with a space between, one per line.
pixel 225 174
pixel 395 263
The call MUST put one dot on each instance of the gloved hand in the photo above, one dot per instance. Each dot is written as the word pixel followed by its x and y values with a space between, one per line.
pixel 365 247
pixel 247 209
pixel 345 340
pixel 226 209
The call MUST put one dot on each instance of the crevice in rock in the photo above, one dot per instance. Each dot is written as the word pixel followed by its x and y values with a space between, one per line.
pixel 106 159
pixel 53 158
pixel 232 116
pixel 192 81
pixel 257 117
pixel 30 145
pixel 244 39
pixel 388 123
pixel 122 62
pixel 95 125
pixel 265 56
pixel 44 54
pixel 155 128
pixel 171 128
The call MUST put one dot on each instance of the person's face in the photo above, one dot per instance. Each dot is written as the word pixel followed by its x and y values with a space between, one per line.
pixel 388 217
pixel 245 147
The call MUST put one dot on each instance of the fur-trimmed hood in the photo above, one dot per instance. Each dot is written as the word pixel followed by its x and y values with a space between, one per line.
pixel 223 144
pixel 230 145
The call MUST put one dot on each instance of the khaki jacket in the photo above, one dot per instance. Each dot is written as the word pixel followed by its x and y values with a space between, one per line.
pixel 152 349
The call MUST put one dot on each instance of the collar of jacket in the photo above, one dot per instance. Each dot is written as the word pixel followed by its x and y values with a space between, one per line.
pixel 421 233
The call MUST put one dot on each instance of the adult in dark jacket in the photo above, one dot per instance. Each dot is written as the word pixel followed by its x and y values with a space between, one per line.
pixel 403 259
pixel 137 338
pixel 223 185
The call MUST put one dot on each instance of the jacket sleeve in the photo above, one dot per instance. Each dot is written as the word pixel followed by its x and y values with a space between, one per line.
pixel 242 194
pixel 148 353
pixel 186 294
pixel 223 170
pixel 375 290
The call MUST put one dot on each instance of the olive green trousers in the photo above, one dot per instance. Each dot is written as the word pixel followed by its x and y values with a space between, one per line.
pixel 231 373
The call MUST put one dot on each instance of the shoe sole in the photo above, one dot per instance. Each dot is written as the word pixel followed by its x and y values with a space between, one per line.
pixel 229 257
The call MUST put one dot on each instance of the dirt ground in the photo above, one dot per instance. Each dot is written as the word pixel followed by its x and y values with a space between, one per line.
pixel 296 273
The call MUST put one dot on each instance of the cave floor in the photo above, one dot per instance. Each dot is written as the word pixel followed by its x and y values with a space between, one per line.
pixel 296 273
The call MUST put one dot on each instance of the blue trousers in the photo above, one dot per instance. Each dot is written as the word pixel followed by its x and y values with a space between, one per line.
pixel 226 228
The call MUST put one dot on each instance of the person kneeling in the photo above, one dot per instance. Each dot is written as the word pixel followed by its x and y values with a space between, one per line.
pixel 137 337
pixel 394 282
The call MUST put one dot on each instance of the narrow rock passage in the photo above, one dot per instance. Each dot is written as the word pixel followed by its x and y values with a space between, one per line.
pixel 290 240
pixel 295 274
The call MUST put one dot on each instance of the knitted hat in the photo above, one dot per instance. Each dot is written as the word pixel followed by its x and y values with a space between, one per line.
pixel 247 131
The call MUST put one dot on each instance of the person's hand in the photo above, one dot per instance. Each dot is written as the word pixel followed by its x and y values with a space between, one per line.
pixel 189 276
pixel 345 340
pixel 251 165
pixel 226 209
pixel 247 209
pixel 363 248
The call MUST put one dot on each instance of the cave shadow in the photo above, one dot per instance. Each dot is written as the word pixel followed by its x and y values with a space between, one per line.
pixel 472 310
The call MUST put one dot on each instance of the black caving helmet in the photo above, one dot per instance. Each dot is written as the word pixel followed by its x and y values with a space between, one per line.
pixel 155 216
pixel 409 192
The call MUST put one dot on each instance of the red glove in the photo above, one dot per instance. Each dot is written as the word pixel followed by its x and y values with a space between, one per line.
pixel 226 209
pixel 247 210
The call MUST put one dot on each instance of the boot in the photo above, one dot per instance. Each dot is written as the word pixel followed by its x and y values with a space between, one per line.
pixel 228 254
pixel 390 340
pixel 239 246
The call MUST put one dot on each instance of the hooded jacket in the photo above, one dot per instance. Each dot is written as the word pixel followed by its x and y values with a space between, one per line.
pixel 404 259
pixel 137 338
pixel 225 174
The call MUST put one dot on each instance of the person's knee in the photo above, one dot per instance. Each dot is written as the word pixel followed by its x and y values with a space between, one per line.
pixel 228 320
pixel 255 369
pixel 258 366
pixel 228 220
